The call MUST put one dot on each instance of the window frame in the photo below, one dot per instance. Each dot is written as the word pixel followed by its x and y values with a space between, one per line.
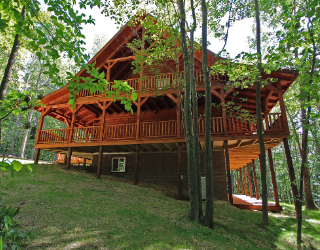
pixel 125 162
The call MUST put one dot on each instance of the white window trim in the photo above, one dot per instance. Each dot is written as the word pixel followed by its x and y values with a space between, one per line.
pixel 125 161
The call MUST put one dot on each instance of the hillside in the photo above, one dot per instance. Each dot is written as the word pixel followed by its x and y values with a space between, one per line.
pixel 73 210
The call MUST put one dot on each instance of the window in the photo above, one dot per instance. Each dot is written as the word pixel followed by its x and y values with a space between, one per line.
pixel 118 164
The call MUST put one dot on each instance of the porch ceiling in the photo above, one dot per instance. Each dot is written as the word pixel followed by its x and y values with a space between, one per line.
pixel 241 152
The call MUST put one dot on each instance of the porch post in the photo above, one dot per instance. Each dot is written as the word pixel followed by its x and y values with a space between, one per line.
pixel 84 162
pixel 179 171
pixel 138 118
pixel 255 180
pixel 99 162
pixel 238 181
pixel 291 173
pixel 178 116
pixel 72 126
pixel 136 165
pixel 103 116
pixel 36 158
pixel 273 177
pixel 224 113
pixel 69 158
pixel 249 178
pixel 65 159
pixel 283 109
pixel 43 114
pixel 226 151
pixel 241 181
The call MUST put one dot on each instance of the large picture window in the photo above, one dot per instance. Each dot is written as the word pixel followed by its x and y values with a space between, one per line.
pixel 118 164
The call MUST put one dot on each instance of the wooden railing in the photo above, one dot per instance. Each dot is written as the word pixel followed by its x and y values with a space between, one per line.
pixel 216 126
pixel 156 82
pixel 158 129
pixel 85 134
pixel 235 126
pixel 54 136
pixel 121 131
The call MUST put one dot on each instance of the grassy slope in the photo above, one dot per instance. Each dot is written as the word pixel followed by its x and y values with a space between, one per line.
pixel 76 211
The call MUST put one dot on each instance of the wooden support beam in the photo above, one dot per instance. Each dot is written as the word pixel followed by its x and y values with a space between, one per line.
pixel 213 91
pixel 229 91
pixel 273 177
pixel 178 116
pixel 238 181
pixel 283 111
pixel 43 114
pixel 36 157
pixel 99 162
pixel 245 180
pixel 226 152
pixel 65 159
pixel 179 171
pixel 103 117
pixel 138 118
pixel 168 146
pixel 224 113
pixel 291 174
pixel 84 162
pixel 157 146
pixel 136 165
pixel 69 158
pixel 272 88
pixel 172 98
pixel 255 179
pixel 249 178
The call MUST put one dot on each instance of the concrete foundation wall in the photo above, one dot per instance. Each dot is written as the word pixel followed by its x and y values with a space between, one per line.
pixel 161 168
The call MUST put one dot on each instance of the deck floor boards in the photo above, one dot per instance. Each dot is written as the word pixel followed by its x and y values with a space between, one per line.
pixel 246 202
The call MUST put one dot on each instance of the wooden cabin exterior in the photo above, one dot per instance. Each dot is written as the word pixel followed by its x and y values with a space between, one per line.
pixel 149 145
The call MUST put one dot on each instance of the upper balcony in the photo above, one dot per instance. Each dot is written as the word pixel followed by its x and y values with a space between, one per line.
pixel 159 82
pixel 151 132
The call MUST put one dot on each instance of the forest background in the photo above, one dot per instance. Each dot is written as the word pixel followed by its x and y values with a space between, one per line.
pixel 31 74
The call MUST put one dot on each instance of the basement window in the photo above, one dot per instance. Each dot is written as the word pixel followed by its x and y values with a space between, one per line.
pixel 118 164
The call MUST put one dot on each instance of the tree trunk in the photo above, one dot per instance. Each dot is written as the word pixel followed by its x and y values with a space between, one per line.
pixel 195 112
pixel 7 134
pixel 25 136
pixel 208 219
pixel 189 135
pixel 263 164
pixel 14 134
pixel 11 61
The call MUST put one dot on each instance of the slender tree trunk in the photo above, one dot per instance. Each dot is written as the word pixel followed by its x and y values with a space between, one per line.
pixel 11 61
pixel 25 136
pixel 263 164
pixel 14 134
pixel 208 219
pixel 305 116
pixel 195 112
pixel 7 134
pixel 189 135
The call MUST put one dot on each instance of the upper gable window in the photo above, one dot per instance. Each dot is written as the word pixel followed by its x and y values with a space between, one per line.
pixel 118 164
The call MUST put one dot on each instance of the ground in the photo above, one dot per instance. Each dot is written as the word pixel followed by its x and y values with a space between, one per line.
pixel 73 210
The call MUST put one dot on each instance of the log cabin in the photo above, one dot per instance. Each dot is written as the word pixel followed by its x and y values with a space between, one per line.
pixel 148 145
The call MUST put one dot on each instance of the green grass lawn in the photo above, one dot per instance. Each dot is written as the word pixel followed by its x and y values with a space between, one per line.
pixel 74 210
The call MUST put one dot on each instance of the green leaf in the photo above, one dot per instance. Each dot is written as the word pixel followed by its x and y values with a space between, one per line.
pixel 102 75
pixel 15 112
pixel 30 168
pixel 17 165
pixel 134 96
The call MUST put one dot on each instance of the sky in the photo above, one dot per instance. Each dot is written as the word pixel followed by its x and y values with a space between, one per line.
pixel 237 41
